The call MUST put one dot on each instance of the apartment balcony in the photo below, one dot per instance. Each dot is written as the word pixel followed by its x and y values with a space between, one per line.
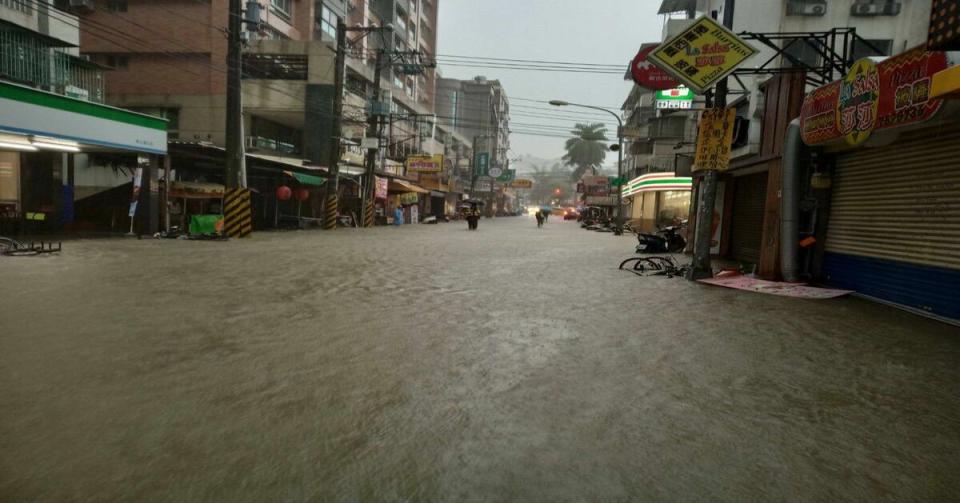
pixel 662 128
pixel 277 74
pixel 36 61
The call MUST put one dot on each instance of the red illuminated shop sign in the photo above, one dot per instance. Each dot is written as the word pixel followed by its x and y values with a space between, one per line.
pixel 645 74
pixel 894 94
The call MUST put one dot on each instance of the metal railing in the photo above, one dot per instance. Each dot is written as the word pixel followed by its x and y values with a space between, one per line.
pixel 30 60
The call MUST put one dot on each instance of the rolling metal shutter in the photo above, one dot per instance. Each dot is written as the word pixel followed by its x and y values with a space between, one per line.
pixel 894 228
pixel 746 231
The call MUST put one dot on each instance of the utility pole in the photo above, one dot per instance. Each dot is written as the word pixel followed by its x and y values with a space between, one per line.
pixel 372 132
pixel 707 191
pixel 331 208
pixel 234 126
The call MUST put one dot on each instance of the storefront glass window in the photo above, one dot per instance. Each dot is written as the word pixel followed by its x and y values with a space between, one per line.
pixel 673 207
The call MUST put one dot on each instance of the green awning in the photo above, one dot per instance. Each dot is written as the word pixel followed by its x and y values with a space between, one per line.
pixel 307 179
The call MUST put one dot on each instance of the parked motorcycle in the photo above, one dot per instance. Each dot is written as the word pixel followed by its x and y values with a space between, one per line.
pixel 666 240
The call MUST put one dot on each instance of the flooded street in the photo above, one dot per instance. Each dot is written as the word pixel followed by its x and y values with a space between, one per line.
pixel 429 363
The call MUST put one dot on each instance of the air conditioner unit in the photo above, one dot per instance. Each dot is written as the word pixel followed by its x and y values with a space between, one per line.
pixel 806 8
pixel 886 8
pixel 83 5
pixel 865 9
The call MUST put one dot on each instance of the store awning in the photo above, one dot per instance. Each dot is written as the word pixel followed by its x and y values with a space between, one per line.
pixel 653 182
pixel 195 190
pixel 404 186
pixel 86 126
pixel 306 179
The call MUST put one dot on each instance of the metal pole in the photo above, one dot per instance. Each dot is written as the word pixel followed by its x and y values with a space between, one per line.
pixel 167 161
pixel 331 208
pixel 371 161
pixel 234 125
pixel 619 188
pixel 707 191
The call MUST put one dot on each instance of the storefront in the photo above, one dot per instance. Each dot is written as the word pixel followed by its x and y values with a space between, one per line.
pixel 405 195
pixel 41 136
pixel 892 178
pixel 657 200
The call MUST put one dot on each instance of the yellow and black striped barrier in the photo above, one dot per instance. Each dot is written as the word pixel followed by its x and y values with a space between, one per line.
pixel 237 219
pixel 330 211
pixel 368 214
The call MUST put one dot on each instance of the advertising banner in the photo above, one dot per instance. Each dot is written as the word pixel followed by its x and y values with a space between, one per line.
pixel 381 188
pixel 521 183
pixel 596 185
pixel 702 54
pixel 425 163
pixel 714 139
pixel 893 93
pixel 135 196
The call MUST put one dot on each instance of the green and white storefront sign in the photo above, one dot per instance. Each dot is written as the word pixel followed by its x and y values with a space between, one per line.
pixel 680 98
pixel 655 182
pixel 28 111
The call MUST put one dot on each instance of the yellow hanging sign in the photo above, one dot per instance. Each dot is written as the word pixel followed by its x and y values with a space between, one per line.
pixel 714 140
pixel 702 54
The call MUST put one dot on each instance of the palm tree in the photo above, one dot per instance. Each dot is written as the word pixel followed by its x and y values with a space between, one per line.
pixel 586 150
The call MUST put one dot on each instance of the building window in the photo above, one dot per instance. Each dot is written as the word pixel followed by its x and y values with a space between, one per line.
pixel 117 5
pixel 804 52
pixel 866 48
pixel 274 66
pixel 269 135
pixel 806 7
pixel 117 61
pixel 23 6
pixel 328 22
pixel 281 8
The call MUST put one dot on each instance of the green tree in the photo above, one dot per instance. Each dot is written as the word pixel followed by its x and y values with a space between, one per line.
pixel 586 150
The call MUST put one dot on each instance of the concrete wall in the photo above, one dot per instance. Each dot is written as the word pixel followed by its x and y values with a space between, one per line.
pixel 46 20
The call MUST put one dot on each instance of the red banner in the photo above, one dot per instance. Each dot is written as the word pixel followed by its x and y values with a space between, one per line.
pixel 902 98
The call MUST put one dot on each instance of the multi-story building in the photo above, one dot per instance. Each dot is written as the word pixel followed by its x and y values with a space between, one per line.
pixel 480 110
pixel 808 168
pixel 58 143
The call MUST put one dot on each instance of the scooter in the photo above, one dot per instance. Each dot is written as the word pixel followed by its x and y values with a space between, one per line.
pixel 666 240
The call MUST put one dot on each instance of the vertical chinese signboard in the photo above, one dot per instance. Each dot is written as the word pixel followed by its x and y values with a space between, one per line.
pixel 381 188
pixel 481 165
pixel 714 139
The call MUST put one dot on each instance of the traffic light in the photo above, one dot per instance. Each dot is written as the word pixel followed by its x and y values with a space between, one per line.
pixel 556 191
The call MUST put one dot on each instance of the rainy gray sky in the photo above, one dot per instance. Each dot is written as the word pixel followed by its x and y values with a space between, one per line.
pixel 594 31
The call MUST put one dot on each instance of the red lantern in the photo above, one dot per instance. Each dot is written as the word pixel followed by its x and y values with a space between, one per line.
pixel 303 194
pixel 284 193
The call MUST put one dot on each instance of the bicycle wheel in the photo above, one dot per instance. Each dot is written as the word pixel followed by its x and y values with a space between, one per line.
pixel 8 244
pixel 629 260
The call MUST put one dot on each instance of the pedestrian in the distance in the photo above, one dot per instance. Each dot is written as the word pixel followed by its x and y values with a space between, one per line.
pixel 473 218
pixel 539 216
pixel 546 214
pixel 398 216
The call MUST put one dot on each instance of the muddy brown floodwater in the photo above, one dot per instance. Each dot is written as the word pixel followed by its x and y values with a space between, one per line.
pixel 428 363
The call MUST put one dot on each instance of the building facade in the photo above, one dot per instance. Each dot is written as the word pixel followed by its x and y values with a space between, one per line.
pixel 59 144
pixel 766 99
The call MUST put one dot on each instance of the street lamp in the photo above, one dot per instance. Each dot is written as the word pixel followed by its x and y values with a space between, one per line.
pixel 619 216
